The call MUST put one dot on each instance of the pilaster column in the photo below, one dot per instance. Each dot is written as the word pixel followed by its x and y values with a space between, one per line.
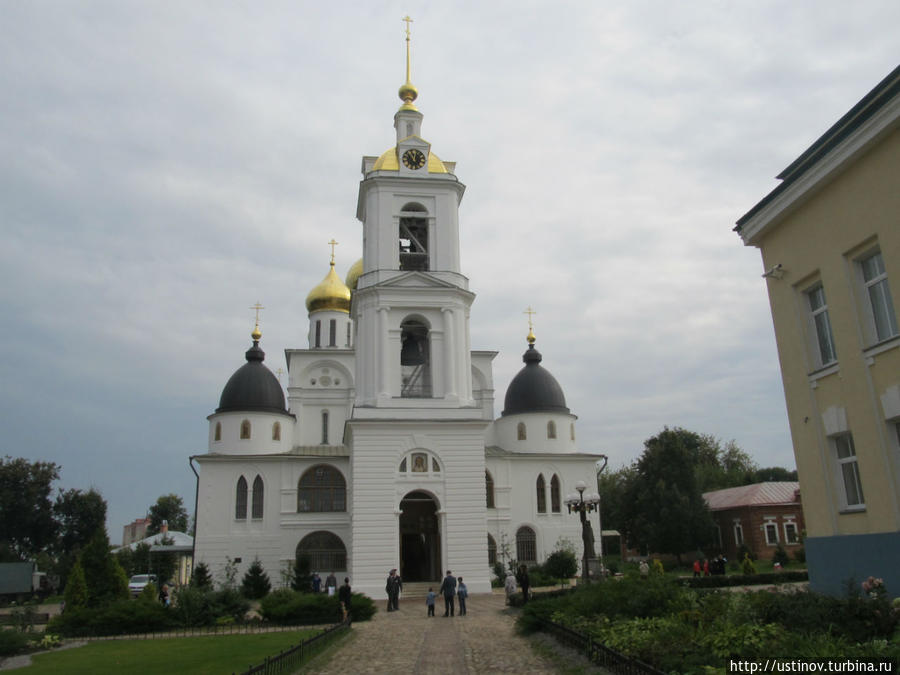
pixel 452 384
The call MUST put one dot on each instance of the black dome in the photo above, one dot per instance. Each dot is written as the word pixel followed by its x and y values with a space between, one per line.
pixel 253 387
pixel 534 389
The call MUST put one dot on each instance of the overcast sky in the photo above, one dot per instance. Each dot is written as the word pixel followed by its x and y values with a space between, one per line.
pixel 164 165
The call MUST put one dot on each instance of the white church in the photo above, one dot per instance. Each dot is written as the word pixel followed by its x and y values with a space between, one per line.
pixel 386 453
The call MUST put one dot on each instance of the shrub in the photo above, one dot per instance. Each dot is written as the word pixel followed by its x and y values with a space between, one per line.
pixel 747 566
pixel 149 594
pixel 255 583
pixel 193 607
pixel 12 642
pixel 561 564
pixel 800 554
pixel 122 617
pixel 293 607
pixel 362 607
pixel 228 602
pixel 76 587
pixel 781 556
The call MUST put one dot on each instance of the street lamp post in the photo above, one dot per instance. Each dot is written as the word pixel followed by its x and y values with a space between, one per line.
pixel 583 505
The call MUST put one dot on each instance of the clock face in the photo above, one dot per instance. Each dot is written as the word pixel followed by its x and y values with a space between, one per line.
pixel 413 159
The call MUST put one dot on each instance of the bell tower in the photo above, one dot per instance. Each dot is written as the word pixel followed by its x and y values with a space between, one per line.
pixel 411 304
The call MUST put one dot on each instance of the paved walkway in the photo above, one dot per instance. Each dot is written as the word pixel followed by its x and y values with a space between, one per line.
pixel 407 641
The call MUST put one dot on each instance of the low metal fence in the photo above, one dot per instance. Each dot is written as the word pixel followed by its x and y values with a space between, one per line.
pixel 598 654
pixel 294 657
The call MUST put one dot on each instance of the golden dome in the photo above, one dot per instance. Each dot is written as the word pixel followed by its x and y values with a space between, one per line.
pixel 388 162
pixel 331 294
pixel 353 275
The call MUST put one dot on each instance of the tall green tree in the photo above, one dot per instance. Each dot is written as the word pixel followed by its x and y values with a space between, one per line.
pixel 104 577
pixel 255 584
pixel 27 526
pixel 774 474
pixel 79 515
pixel 663 506
pixel 612 486
pixel 170 508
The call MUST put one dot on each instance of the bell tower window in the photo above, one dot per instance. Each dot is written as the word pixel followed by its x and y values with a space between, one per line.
pixel 415 360
pixel 414 238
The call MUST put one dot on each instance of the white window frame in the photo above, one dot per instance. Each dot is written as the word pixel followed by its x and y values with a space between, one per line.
pixel 738 531
pixel 787 537
pixel 875 331
pixel 824 352
pixel 848 472
pixel 770 523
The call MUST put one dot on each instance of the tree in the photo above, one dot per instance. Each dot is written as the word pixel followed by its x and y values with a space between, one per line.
pixel 302 579
pixel 561 564
pixel 201 578
pixel 76 588
pixel 26 512
pixel 663 507
pixel 612 487
pixel 170 508
pixel 719 466
pixel 78 516
pixel 104 577
pixel 255 583
pixel 774 474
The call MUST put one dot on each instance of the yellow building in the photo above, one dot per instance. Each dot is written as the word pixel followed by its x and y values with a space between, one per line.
pixel 829 235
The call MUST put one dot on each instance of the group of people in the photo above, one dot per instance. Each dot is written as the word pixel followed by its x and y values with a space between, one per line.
pixel 710 567
pixel 330 583
pixel 451 588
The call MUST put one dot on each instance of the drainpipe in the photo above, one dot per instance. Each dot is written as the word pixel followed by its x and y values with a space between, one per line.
pixel 196 501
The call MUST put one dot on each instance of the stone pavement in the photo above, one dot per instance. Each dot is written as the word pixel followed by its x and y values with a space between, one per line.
pixel 482 641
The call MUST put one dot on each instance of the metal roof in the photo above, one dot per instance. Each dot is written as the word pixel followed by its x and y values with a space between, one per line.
pixel 758 494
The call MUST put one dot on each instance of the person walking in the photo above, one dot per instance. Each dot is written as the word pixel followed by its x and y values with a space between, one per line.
pixel 524 582
pixel 393 587
pixel 462 593
pixel 509 585
pixel 344 595
pixel 331 584
pixel 448 590
pixel 316 582
pixel 429 601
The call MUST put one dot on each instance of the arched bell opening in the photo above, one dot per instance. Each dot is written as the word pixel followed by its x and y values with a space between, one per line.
pixel 415 360
pixel 420 538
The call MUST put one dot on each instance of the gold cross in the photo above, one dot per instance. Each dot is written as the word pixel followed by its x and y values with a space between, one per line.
pixel 257 307
pixel 332 243
pixel 279 372
pixel 530 312
pixel 408 21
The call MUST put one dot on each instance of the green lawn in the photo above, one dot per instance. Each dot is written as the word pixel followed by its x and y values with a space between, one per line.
pixel 214 654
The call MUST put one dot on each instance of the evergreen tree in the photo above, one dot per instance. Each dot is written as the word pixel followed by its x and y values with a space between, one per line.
pixel 76 588
pixel 201 578
pixel 302 580
pixel 104 577
pixel 255 583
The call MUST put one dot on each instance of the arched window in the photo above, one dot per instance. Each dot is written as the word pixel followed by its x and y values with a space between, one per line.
pixel 541 494
pixel 520 431
pixel 551 429
pixel 492 551
pixel 245 429
pixel 276 431
pixel 572 430
pixel 259 493
pixel 413 238
pixel 489 489
pixel 526 545
pixel 554 494
pixel 321 488
pixel 415 360
pixel 240 499
pixel 324 550
pixel 332 333
pixel 324 427
pixel 218 434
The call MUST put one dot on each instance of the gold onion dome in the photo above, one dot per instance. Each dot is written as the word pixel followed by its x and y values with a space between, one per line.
pixel 388 162
pixel 353 275
pixel 330 294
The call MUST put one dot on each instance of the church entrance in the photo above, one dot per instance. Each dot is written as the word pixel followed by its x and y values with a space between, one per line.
pixel 420 538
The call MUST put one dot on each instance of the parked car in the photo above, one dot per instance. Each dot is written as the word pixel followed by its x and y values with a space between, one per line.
pixel 137 583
